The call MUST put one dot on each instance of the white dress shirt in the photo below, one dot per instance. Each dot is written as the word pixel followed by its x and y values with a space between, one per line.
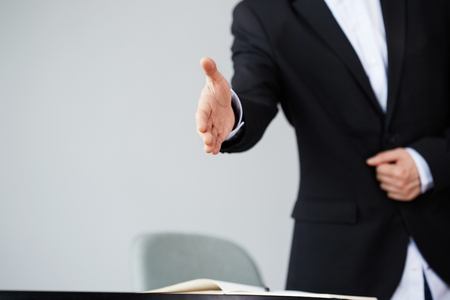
pixel 362 22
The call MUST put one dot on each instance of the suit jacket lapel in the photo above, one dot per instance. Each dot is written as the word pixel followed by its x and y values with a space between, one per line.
pixel 394 15
pixel 318 15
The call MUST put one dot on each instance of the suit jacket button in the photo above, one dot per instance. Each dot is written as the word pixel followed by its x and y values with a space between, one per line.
pixel 391 138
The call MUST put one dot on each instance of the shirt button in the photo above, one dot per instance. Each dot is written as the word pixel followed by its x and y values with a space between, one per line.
pixel 415 268
pixel 373 61
pixel 360 20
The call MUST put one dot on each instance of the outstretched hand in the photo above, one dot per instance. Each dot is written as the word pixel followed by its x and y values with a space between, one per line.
pixel 215 117
pixel 397 173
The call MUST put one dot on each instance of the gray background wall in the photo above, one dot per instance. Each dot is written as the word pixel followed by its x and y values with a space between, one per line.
pixel 98 143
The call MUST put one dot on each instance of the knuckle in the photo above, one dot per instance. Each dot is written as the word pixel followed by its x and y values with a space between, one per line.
pixel 379 168
pixel 401 184
pixel 409 197
pixel 399 172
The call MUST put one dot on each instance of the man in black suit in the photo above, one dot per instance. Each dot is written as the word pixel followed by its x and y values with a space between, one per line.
pixel 365 208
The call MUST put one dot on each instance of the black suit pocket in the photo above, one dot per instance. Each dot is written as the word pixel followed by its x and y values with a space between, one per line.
pixel 329 211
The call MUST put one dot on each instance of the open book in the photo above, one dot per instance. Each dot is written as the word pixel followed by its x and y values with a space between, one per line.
pixel 209 286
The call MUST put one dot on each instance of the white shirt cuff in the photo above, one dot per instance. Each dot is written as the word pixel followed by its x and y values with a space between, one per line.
pixel 426 179
pixel 238 108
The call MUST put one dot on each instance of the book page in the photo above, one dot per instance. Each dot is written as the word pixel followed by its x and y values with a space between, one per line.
pixel 210 286
pixel 198 285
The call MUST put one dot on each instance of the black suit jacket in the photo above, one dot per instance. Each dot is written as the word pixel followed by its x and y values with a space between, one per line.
pixel 349 237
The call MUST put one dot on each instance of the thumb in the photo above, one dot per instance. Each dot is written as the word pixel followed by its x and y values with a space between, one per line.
pixel 384 157
pixel 210 69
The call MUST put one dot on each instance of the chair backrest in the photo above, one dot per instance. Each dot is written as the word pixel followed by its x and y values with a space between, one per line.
pixel 163 259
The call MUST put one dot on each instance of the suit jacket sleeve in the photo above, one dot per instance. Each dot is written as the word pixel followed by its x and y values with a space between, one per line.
pixel 256 80
pixel 435 148
pixel 436 151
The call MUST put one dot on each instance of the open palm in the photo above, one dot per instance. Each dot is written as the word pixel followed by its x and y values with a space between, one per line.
pixel 215 117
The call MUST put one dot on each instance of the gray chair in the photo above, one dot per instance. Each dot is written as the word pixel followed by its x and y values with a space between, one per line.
pixel 163 259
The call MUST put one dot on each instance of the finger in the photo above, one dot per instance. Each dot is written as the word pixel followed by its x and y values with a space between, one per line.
pixel 202 116
pixel 384 157
pixel 393 188
pixel 384 178
pixel 394 183
pixel 204 131
pixel 387 187
pixel 396 171
pixel 397 177
pixel 210 141
pixel 216 150
pixel 404 197
pixel 207 138
pixel 201 121
pixel 208 149
pixel 386 169
pixel 390 185
pixel 399 186
pixel 210 69
pixel 219 140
